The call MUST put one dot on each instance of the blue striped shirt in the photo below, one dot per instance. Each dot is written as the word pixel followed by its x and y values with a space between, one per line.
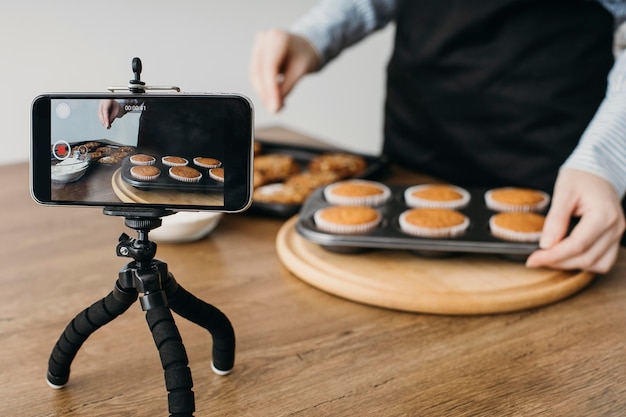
pixel 333 25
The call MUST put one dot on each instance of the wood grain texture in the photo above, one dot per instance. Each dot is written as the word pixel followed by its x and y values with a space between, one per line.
pixel 300 351
pixel 476 284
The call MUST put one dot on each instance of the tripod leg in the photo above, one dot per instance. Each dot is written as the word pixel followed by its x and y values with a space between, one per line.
pixel 209 317
pixel 80 328
pixel 178 381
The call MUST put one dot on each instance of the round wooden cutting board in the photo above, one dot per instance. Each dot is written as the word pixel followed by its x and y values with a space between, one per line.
pixel 402 280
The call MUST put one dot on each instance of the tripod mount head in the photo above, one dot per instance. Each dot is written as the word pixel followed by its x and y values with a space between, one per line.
pixel 142 220
pixel 136 85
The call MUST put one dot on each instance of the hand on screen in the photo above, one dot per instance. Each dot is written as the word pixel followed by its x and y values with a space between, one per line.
pixel 108 110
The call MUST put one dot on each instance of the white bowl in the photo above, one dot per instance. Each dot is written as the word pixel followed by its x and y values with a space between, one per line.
pixel 68 170
pixel 185 226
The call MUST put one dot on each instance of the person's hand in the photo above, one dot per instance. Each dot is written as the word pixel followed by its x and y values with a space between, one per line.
pixel 108 110
pixel 279 59
pixel 594 242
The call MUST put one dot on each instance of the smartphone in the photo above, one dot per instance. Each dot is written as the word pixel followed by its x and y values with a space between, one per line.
pixel 174 151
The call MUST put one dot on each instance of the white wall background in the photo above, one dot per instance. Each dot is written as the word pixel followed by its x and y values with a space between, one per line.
pixel 200 46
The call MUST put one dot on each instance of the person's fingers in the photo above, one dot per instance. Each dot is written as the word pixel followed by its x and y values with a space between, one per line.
pixel 268 57
pixel 598 258
pixel 103 115
pixel 594 242
pixel 590 246
pixel 557 220
pixel 303 61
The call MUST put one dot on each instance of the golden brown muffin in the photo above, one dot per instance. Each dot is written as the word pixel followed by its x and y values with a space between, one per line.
pixel 185 174
pixel 347 219
pixel 174 161
pixel 517 226
pixel 436 196
pixel 217 174
pixel 357 193
pixel 145 172
pixel 516 199
pixel 205 162
pixel 433 222
pixel 142 159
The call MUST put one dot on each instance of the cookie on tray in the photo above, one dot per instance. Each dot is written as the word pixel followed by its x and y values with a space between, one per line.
pixel 276 167
pixel 517 226
pixel 516 199
pixel 357 193
pixel 278 193
pixel 306 182
pixel 433 222
pixel 436 196
pixel 347 219
pixel 345 165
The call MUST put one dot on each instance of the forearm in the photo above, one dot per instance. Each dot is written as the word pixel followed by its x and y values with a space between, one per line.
pixel 333 25
pixel 602 147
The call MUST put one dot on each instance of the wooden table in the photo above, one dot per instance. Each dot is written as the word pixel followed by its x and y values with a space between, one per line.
pixel 300 351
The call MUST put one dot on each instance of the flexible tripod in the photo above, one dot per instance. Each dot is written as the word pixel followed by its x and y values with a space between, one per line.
pixel 161 293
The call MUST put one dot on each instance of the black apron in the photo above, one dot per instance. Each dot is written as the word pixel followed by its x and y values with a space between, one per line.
pixel 197 128
pixel 492 93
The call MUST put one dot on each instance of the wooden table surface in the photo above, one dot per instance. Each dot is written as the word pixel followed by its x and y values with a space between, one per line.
pixel 300 351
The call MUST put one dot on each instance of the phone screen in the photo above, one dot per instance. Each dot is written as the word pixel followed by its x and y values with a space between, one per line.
pixel 174 151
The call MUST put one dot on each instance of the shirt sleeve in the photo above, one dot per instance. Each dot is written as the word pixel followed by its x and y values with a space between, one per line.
pixel 333 25
pixel 602 147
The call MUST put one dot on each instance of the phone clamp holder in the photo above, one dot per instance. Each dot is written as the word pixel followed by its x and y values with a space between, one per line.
pixel 161 294
pixel 137 86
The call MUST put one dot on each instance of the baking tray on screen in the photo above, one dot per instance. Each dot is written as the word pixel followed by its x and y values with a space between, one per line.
pixel 388 235
pixel 166 183
pixel 375 168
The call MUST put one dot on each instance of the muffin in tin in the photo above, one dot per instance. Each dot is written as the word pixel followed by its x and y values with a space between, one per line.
pixel 357 193
pixel 185 174
pixel 142 159
pixel 516 199
pixel 347 219
pixel 206 162
pixel 174 161
pixel 145 172
pixel 436 196
pixel 433 222
pixel 517 226
pixel 217 174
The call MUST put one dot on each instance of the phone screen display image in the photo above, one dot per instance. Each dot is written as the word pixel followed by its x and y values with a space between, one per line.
pixel 174 151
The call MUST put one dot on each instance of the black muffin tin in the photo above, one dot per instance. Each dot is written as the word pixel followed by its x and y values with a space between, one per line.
pixel 388 235
pixel 376 166
pixel 166 183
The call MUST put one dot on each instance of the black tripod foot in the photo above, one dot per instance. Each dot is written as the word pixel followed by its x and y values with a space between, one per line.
pixel 178 380
pixel 80 328
pixel 209 317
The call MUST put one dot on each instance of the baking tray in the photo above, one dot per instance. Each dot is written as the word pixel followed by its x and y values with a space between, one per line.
pixel 165 183
pixel 477 238
pixel 376 166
